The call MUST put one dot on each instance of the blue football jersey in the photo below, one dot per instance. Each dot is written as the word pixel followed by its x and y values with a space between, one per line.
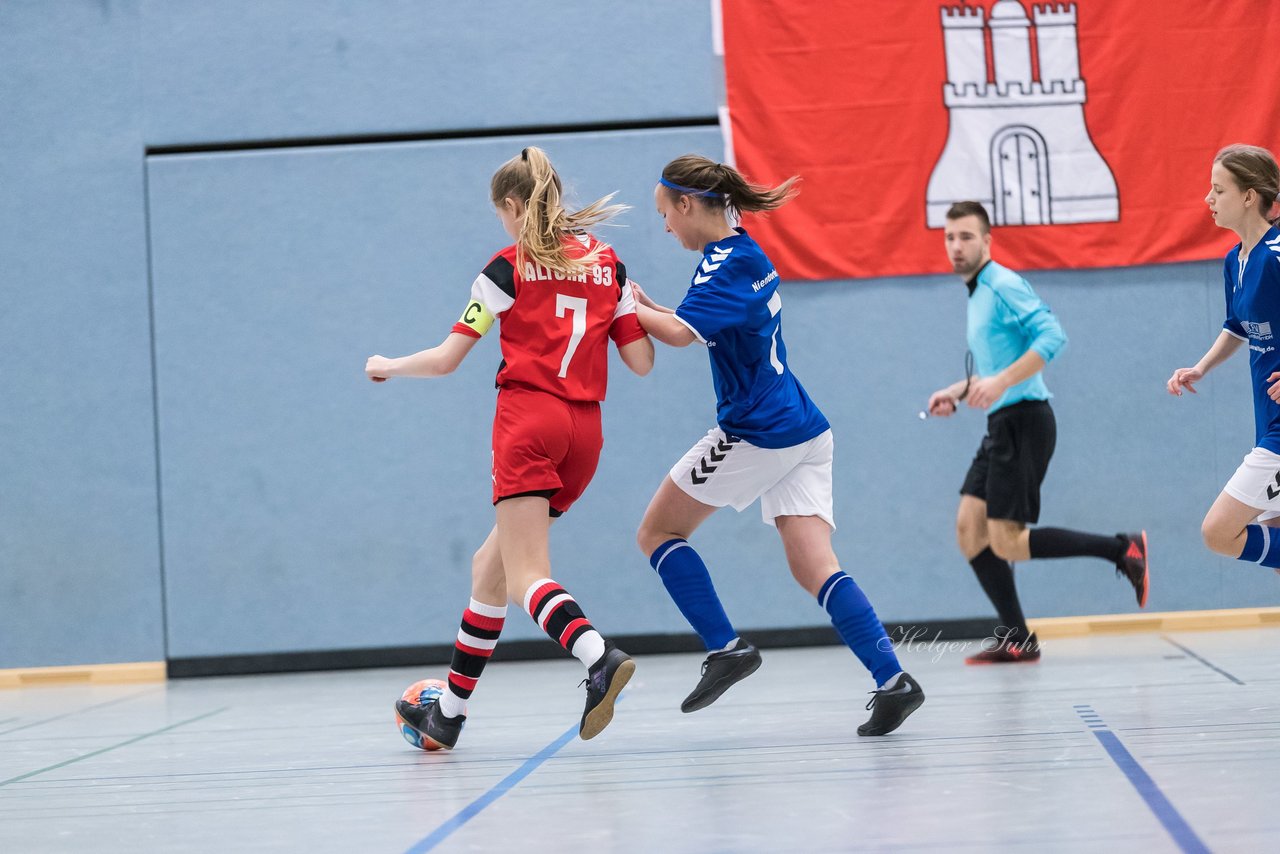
pixel 1253 312
pixel 733 306
pixel 1006 319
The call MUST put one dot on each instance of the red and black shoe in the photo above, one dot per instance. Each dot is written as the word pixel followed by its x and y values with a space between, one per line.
pixel 1001 651
pixel 1133 565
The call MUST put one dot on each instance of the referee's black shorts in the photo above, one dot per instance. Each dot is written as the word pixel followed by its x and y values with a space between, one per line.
pixel 1012 461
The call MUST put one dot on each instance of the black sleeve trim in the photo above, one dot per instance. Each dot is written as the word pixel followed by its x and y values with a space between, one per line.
pixel 502 274
pixel 532 493
pixel 622 274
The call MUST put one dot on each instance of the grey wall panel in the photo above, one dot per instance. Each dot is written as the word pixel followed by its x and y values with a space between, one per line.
pixel 306 508
pixel 79 554
pixel 1128 456
pixel 255 70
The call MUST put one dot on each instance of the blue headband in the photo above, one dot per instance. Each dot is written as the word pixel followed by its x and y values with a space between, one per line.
pixel 688 191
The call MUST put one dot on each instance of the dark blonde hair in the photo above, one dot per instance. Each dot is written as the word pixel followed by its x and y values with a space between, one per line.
pixel 1253 168
pixel 531 180
pixel 720 186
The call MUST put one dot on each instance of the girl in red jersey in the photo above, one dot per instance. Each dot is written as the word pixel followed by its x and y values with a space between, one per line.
pixel 559 295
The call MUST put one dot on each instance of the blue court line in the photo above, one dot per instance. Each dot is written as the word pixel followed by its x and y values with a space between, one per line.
pixel 474 808
pixel 1164 810
pixel 103 750
pixel 1205 662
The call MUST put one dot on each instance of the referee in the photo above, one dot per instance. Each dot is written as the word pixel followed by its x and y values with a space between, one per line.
pixel 1012 336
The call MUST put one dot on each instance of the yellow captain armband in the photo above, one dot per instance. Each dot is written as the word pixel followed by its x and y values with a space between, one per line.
pixel 477 318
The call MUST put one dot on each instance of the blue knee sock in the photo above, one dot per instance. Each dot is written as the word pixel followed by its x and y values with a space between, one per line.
pixel 689 584
pixel 1261 545
pixel 858 625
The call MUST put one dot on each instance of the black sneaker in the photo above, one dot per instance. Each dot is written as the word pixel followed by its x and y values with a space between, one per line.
pixel 426 728
pixel 719 671
pixel 605 681
pixel 892 706
pixel 1133 564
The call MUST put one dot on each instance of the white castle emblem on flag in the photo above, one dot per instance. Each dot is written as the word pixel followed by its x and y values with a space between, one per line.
pixel 1019 146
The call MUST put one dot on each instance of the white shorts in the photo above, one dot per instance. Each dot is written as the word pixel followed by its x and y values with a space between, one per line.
pixel 724 472
pixel 1257 483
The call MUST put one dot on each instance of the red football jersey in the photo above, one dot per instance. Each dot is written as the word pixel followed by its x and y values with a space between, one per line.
pixel 554 328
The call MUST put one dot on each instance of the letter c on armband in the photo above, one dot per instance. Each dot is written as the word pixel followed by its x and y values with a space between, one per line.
pixel 477 317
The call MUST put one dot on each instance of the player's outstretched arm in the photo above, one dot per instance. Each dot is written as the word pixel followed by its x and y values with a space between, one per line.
pixel 663 326
pixel 638 355
pixel 1186 378
pixel 436 362
pixel 643 298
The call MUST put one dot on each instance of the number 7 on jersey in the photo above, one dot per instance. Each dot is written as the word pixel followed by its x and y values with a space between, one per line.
pixel 577 306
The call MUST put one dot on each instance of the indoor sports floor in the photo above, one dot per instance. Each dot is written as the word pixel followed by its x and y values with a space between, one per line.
pixel 1141 742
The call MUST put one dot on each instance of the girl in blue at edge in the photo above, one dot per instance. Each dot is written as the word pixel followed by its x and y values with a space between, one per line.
pixel 1243 187
pixel 771 442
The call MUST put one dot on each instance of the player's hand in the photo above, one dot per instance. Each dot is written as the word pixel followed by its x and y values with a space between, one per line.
pixel 1273 390
pixel 985 391
pixel 1184 378
pixel 640 296
pixel 378 368
pixel 942 404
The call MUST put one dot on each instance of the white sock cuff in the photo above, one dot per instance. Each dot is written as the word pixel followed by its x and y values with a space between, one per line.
pixel 589 648
pixel 451 705
pixel 496 611
pixel 892 682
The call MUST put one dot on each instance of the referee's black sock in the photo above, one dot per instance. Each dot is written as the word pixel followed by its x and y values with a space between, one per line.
pixel 1060 542
pixel 996 577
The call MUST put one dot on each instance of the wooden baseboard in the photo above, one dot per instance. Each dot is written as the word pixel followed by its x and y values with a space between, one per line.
pixel 1166 621
pixel 96 674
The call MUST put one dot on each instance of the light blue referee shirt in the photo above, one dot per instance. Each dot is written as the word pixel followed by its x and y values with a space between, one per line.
pixel 1006 319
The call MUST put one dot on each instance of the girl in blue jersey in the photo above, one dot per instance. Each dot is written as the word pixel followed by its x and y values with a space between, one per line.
pixel 1244 183
pixel 770 443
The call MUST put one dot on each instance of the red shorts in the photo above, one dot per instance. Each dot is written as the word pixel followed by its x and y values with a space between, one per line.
pixel 543 445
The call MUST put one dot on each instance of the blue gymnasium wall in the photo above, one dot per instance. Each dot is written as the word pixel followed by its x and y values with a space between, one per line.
pixel 299 507
pixel 79 557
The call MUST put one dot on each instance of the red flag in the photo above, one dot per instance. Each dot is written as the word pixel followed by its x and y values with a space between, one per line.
pixel 1087 129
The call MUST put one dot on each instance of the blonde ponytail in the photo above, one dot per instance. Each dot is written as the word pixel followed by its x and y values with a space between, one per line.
pixel 532 180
